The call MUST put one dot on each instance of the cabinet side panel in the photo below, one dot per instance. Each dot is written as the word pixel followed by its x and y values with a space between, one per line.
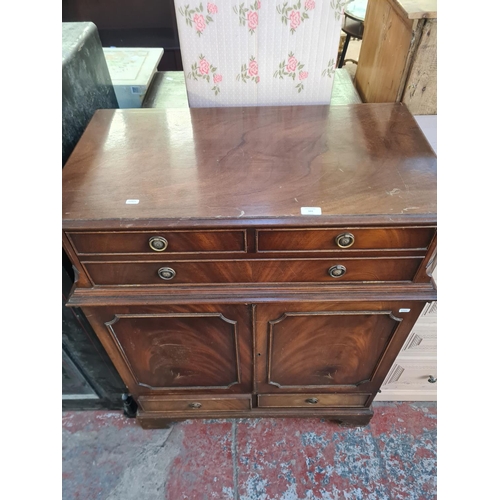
pixel 384 52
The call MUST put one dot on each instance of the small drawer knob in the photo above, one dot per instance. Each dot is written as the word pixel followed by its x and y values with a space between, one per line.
pixel 158 243
pixel 337 271
pixel 166 273
pixel 194 405
pixel 432 380
pixel 312 401
pixel 345 240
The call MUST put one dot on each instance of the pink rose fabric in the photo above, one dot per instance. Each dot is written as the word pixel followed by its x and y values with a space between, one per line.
pixel 253 68
pixel 258 5
pixel 204 67
pixel 212 9
pixel 303 75
pixel 310 4
pixel 257 80
pixel 292 64
pixel 294 19
pixel 199 22
pixel 253 19
pixel 217 78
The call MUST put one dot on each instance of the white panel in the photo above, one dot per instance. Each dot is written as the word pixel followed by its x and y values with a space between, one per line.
pixel 131 71
pixel 428 125
pixel 234 51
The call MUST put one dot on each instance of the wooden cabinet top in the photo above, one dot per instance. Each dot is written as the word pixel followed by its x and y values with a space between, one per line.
pixel 417 9
pixel 363 163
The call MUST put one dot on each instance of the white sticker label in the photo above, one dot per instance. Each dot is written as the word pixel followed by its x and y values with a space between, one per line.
pixel 404 310
pixel 131 202
pixel 310 210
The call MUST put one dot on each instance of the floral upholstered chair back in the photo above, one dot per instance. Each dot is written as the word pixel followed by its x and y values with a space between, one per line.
pixel 259 52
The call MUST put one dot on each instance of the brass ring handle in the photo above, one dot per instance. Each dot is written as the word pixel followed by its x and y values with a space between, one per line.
pixel 194 405
pixel 166 273
pixel 432 380
pixel 337 271
pixel 312 401
pixel 158 243
pixel 345 240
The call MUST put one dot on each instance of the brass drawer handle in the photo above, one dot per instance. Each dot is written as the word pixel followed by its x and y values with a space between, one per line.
pixel 432 380
pixel 312 401
pixel 345 240
pixel 337 271
pixel 166 273
pixel 194 405
pixel 158 243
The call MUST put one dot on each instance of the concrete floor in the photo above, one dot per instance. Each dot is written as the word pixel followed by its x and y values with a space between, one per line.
pixel 107 456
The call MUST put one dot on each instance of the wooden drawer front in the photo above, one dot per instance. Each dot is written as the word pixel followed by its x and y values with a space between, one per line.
pixel 408 380
pixel 422 341
pixel 256 271
pixel 312 400
pixel 194 404
pixel 323 240
pixel 130 242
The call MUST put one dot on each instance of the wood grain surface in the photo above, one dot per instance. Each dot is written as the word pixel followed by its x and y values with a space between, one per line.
pixel 253 271
pixel 244 163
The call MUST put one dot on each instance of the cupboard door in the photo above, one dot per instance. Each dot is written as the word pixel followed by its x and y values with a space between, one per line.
pixel 345 347
pixel 176 349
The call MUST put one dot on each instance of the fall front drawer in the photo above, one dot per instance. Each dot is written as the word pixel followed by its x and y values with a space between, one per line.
pixel 252 271
pixel 324 240
pixel 154 242
pixel 312 400
pixel 196 403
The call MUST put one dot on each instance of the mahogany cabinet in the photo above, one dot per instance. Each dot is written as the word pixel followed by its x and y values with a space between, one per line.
pixel 245 262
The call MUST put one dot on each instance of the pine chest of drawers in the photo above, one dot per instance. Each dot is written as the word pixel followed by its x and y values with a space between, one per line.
pixel 240 262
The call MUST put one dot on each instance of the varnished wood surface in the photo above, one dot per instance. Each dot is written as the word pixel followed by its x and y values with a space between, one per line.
pixel 349 417
pixel 251 294
pixel 178 349
pixel 329 347
pixel 252 316
pixel 254 271
pixel 131 243
pixel 324 349
pixel 301 400
pixel 198 403
pixel 324 240
pixel 247 163
pixel 168 90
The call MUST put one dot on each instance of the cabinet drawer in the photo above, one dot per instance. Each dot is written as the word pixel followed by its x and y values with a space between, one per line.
pixel 408 380
pixel 252 271
pixel 422 341
pixel 312 400
pixel 168 242
pixel 324 240
pixel 195 403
